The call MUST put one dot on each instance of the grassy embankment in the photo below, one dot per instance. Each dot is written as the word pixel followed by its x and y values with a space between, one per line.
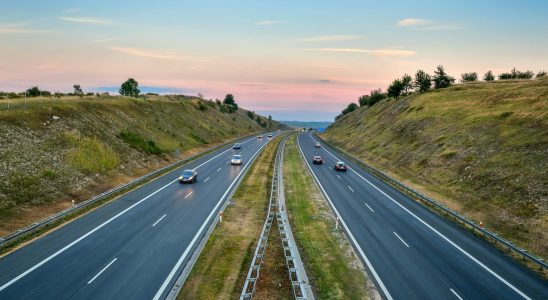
pixel 334 270
pixel 221 268
pixel 53 151
pixel 479 148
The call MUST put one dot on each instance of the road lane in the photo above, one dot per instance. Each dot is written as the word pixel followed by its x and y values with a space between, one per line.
pixel 442 258
pixel 144 254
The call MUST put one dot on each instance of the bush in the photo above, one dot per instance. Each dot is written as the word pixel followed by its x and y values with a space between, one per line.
pixel 395 88
pixel 139 143
pixel 93 157
pixel 541 74
pixel 515 74
pixel 468 77
pixel 441 79
pixel 488 76
pixel 251 114
pixel 422 81
pixel 363 100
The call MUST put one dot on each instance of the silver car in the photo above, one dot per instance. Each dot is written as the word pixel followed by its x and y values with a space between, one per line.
pixel 236 160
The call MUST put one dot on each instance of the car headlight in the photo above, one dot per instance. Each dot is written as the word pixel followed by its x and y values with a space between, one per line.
pixel 180 177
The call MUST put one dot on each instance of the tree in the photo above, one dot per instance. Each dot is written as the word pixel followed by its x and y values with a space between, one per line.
pixel 350 108
pixel 363 100
pixel 395 88
pixel 541 74
pixel 251 114
pixel 468 77
pixel 422 82
pixel 130 88
pixel 441 79
pixel 33 92
pixel 376 96
pixel 488 76
pixel 78 90
pixel 407 83
pixel 230 103
pixel 269 121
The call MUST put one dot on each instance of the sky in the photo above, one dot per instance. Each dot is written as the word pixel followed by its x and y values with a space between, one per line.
pixel 295 60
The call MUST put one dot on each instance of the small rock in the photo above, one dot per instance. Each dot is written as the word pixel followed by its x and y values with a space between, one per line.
pixel 56 118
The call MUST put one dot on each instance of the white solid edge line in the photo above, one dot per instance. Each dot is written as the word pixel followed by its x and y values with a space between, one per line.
pixel 101 272
pixel 189 247
pixel 7 284
pixel 401 239
pixel 188 195
pixel 369 207
pixel 441 235
pixel 455 293
pixel 158 221
pixel 360 250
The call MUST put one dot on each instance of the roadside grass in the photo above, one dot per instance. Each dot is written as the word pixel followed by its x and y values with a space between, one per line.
pixel 333 268
pixel 58 206
pixel 92 156
pixel 221 268
pixel 478 148
pixel 77 142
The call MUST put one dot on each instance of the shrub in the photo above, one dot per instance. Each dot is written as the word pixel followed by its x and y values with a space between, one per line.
pixel 363 100
pixel 541 74
pixel 93 157
pixel 251 114
pixel 395 88
pixel 515 74
pixel 488 76
pixel 422 81
pixel 139 143
pixel 441 79
pixel 467 77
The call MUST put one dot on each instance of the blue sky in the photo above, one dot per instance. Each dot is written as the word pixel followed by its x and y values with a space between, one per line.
pixel 302 60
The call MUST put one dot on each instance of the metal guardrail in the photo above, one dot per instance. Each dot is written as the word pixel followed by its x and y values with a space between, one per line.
pixel 276 211
pixel 440 207
pixel 60 215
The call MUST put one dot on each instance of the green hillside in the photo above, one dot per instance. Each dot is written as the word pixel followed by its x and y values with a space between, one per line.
pixel 53 151
pixel 481 148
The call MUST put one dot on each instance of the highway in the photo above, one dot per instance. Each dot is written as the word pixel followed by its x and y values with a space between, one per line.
pixel 133 247
pixel 411 252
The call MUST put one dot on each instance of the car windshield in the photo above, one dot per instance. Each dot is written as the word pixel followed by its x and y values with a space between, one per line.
pixel 237 145
pixel 187 173
pixel 237 157
pixel 341 164
pixel 317 157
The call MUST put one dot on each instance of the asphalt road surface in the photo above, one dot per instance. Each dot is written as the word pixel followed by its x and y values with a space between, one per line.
pixel 133 247
pixel 412 252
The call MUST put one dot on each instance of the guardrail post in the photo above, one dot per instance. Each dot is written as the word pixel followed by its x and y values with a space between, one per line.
pixel 337 224
pixel 221 216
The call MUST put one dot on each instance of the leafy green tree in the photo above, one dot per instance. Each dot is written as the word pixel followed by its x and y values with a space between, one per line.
pixel 488 76
pixel 33 92
pixel 130 88
pixel 441 79
pixel 422 82
pixel 395 88
pixel 376 96
pixel 407 83
pixel 469 77
pixel 269 121
pixel 78 90
pixel 350 108
pixel 363 100
pixel 541 74
pixel 230 103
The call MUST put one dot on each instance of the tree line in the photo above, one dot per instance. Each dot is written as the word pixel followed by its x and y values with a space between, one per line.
pixel 423 82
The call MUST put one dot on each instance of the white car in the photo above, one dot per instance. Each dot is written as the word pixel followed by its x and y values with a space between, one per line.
pixel 236 160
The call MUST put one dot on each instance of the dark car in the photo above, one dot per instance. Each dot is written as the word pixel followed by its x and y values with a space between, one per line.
pixel 237 146
pixel 270 136
pixel 317 160
pixel 188 176
pixel 340 166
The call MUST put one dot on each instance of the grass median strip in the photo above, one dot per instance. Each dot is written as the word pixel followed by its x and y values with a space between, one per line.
pixel 221 268
pixel 334 270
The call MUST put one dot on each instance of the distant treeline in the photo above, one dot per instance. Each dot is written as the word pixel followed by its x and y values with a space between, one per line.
pixel 422 82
